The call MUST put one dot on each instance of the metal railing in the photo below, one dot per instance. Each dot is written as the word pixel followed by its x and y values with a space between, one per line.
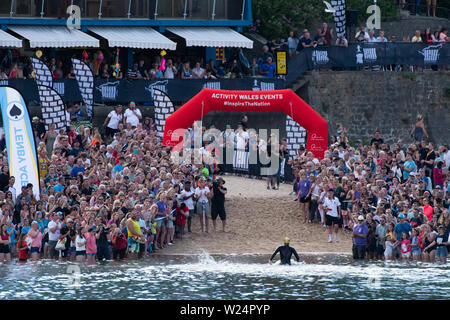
pixel 215 9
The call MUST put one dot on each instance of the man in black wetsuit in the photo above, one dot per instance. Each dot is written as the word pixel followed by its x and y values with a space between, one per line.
pixel 285 253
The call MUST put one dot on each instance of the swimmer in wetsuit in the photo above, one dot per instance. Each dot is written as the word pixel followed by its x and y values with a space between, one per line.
pixel 285 253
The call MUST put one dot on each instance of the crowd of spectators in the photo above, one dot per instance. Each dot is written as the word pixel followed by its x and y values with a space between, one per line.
pixel 105 192
pixel 393 199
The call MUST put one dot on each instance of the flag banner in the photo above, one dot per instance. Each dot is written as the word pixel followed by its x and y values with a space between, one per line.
pixel 85 80
pixel 163 108
pixel 53 107
pixel 19 138
pixel 339 16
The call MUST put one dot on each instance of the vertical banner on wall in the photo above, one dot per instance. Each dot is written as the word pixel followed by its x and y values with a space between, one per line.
pixel 52 105
pixel 220 53
pixel 281 60
pixel 85 80
pixel 339 16
pixel 19 138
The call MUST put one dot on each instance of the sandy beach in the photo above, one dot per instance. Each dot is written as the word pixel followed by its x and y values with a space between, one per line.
pixel 257 222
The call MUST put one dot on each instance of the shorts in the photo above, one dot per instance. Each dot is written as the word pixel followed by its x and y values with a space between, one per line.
pixel 4 248
pixel 305 199
pixel 416 251
pixel 80 253
pixel 406 255
pixel 141 247
pixel 329 220
pixel 431 249
pixel 359 252
pixel 431 2
pixel 160 222
pixel 34 250
pixel 91 254
pixel 133 246
pixel 389 249
pixel 441 252
pixel 218 210
pixel 51 246
pixel 169 224
pixel 203 207
pixel 380 249
pixel 191 213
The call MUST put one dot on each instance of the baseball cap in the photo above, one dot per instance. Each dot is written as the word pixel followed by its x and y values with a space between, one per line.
pixel 69 220
pixel 59 213
pixel 361 218
pixel 401 216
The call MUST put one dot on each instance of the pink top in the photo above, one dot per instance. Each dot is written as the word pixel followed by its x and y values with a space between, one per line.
pixel 404 246
pixel 91 244
pixel 37 240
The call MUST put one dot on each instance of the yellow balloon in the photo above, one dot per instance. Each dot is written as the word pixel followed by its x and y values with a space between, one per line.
pixel 163 53
pixel 39 54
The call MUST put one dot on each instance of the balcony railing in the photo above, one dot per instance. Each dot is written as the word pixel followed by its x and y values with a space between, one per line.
pixel 147 9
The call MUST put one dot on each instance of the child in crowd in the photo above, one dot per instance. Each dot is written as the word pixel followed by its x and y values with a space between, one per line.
pixel 405 247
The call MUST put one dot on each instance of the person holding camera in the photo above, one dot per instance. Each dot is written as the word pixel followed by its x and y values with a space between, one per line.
pixel 218 203
pixel 119 243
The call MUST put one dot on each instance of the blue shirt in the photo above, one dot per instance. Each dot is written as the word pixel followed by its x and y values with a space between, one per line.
pixel 58 188
pixel 359 241
pixel 162 206
pixel 264 68
pixel 11 236
pixel 74 152
pixel 117 168
pixel 407 165
pixel 25 229
pixel 402 227
pixel 75 171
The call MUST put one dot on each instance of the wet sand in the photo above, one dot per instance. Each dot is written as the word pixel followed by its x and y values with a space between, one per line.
pixel 257 222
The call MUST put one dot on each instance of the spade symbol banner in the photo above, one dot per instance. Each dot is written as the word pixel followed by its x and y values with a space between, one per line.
pixel 53 107
pixel 19 138
pixel 15 112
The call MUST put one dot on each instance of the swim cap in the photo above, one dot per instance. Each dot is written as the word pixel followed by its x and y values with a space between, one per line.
pixel 287 240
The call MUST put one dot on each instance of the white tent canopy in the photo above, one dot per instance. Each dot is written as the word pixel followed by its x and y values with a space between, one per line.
pixel 134 37
pixel 7 40
pixel 212 37
pixel 55 37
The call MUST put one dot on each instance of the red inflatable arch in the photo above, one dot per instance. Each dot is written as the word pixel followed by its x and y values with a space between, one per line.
pixel 286 101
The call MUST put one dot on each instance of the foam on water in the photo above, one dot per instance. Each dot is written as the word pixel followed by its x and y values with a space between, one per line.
pixel 225 277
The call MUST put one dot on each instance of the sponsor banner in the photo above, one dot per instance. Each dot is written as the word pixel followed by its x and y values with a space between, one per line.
pixel 368 54
pixel 140 91
pixel 281 59
pixel 19 137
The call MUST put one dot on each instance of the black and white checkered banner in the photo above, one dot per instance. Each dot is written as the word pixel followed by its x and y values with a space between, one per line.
pixel 85 80
pixel 53 108
pixel 296 136
pixel 52 105
pixel 339 16
pixel 163 109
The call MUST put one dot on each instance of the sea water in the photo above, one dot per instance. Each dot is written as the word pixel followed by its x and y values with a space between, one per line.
pixel 225 277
